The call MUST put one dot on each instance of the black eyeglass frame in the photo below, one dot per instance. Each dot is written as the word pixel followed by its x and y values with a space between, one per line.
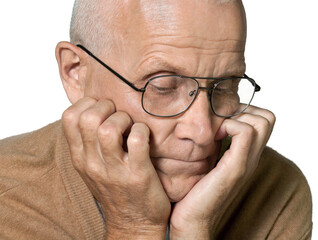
pixel 257 88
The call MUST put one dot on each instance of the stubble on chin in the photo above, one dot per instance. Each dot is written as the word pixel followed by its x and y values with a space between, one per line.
pixel 179 177
pixel 177 188
pixel 178 184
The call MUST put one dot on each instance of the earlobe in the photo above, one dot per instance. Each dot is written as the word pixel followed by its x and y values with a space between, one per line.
pixel 72 70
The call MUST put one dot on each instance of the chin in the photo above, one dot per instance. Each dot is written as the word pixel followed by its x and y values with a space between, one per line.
pixel 178 187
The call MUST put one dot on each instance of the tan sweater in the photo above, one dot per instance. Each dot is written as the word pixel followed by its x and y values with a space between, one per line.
pixel 43 197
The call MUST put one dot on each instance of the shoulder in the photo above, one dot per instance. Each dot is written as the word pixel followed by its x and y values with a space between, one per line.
pixel 31 141
pixel 41 194
pixel 28 140
pixel 274 204
pixel 284 196
pixel 277 172
pixel 28 156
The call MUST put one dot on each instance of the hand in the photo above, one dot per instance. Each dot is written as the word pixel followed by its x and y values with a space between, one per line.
pixel 197 215
pixel 125 183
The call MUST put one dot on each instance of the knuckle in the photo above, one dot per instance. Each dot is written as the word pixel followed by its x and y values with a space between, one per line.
pixel 137 139
pixel 125 116
pixel 107 131
pixel 68 116
pixel 248 130
pixel 110 104
pixel 88 100
pixel 271 117
pixel 93 170
pixel 89 119
pixel 264 123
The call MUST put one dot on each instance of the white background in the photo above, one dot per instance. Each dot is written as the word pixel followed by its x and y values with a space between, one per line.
pixel 281 55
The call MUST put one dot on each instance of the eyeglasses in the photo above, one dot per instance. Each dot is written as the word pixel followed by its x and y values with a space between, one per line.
pixel 172 95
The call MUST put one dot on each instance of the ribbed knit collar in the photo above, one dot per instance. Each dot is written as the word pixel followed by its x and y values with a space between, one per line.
pixel 82 200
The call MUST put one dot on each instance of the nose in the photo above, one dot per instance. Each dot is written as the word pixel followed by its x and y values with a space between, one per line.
pixel 198 123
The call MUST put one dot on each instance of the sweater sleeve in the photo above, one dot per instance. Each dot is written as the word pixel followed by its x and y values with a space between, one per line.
pixel 294 221
pixel 41 194
pixel 275 204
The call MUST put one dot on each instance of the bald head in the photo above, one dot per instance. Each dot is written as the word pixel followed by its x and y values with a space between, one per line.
pixel 95 23
pixel 92 23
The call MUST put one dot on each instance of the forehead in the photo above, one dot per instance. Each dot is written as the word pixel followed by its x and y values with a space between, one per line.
pixel 158 31
pixel 202 18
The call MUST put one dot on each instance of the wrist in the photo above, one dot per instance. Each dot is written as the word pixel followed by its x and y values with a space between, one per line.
pixel 189 235
pixel 136 233
pixel 191 232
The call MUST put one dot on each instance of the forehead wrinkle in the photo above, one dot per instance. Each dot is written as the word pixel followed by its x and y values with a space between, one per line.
pixel 150 34
pixel 206 50
pixel 185 40
pixel 152 64
pixel 200 41
pixel 155 59
pixel 187 51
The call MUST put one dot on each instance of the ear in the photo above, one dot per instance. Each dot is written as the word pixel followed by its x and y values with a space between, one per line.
pixel 72 67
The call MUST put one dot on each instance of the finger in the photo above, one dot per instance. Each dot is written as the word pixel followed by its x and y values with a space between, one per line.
pixel 138 147
pixel 90 121
pixel 241 132
pixel 234 162
pixel 260 124
pixel 110 135
pixel 270 116
pixel 70 122
pixel 267 120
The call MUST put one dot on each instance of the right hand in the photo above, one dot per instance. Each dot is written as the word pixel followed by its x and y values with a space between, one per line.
pixel 124 183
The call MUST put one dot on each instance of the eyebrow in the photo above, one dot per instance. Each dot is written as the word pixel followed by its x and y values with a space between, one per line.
pixel 159 65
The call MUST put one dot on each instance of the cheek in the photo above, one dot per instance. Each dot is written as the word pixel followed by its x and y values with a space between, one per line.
pixel 216 123
pixel 125 99
pixel 160 128
pixel 96 84
pixel 129 102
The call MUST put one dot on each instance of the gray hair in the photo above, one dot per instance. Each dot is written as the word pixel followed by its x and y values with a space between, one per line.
pixel 89 25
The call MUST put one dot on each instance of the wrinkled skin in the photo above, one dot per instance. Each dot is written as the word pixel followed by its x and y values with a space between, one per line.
pixel 166 159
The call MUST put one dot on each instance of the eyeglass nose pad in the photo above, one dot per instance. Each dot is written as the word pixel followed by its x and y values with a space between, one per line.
pixel 191 93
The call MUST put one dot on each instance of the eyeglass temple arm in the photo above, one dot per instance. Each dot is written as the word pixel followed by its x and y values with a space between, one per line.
pixel 110 69
pixel 257 87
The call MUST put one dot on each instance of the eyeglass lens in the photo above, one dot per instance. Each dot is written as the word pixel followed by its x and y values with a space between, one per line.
pixel 172 95
pixel 231 97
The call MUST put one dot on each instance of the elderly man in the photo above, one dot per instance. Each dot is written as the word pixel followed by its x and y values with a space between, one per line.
pixel 160 140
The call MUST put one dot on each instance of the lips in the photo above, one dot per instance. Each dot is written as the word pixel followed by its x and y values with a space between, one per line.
pixel 171 166
pixel 180 160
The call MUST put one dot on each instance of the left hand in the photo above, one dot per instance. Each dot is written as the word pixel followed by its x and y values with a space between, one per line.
pixel 197 215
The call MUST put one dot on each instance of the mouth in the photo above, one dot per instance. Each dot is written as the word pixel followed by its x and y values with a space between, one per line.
pixel 172 166
pixel 179 160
